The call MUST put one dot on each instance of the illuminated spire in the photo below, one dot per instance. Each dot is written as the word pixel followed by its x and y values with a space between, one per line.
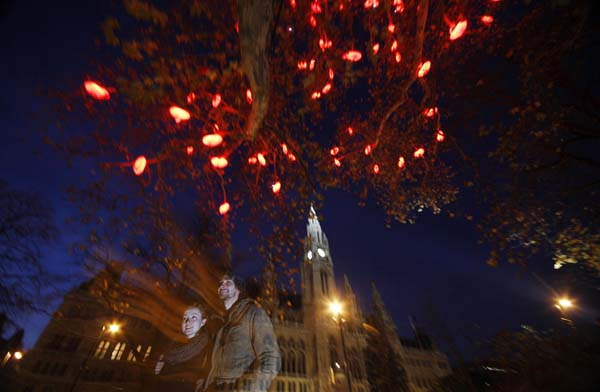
pixel 313 229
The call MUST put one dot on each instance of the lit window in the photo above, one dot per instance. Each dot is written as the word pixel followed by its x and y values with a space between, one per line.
pixel 148 350
pixel 118 351
pixel 321 252
pixel 102 349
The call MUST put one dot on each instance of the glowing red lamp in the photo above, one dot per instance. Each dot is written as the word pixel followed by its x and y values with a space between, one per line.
pixel 179 114
pixel 96 91
pixel 352 55
pixel 139 165
pixel 458 30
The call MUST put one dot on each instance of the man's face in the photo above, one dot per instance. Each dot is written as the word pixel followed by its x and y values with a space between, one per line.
pixel 227 289
pixel 192 322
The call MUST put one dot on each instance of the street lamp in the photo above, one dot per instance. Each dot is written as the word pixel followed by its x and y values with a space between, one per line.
pixel 564 304
pixel 112 329
pixel 336 309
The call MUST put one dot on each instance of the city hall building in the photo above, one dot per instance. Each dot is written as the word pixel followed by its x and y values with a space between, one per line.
pixel 321 350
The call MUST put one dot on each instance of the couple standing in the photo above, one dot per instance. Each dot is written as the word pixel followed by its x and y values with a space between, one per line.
pixel 245 356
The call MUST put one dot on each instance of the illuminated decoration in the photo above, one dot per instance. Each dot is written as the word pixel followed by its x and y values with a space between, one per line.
pixel 261 159
pixel 219 162
pixel 334 151
pixel 375 48
pixel 337 162
pixel 350 131
pixel 316 95
pixel 191 97
pixel 291 157
pixel 212 140
pixel 424 68
pixel 249 96
pixel 368 149
pixel 139 165
pixel 391 27
pixel 398 6
pixel 284 149
pixel 293 4
pixel 311 66
pixel 302 64
pixel 430 112
pixel 224 208
pixel 216 101
pixel 276 187
pixel 401 162
pixel 398 57
pixel 371 3
pixel 458 30
pixel 189 150
pixel 179 114
pixel 313 21
pixel 352 55
pixel 326 88
pixel 394 46
pixel 96 91
pixel 331 73
pixel 252 160
pixel 325 44
pixel 439 136
pixel 375 169
pixel 487 19
pixel 321 252
pixel 419 152
pixel 315 7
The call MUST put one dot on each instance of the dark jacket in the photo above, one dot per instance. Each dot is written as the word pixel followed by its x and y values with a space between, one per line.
pixel 245 353
pixel 188 375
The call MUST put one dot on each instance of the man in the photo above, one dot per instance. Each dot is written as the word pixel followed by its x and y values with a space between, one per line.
pixel 245 356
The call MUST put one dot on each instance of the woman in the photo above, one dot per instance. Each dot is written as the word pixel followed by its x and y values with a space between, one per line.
pixel 185 367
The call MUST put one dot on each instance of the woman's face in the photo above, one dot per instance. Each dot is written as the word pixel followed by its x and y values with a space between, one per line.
pixel 192 321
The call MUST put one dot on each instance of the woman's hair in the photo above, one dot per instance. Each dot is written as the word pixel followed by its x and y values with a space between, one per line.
pixel 197 305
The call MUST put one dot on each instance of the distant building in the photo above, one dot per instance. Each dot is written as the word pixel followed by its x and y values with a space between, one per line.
pixel 76 352
pixel 311 342
pixel 313 355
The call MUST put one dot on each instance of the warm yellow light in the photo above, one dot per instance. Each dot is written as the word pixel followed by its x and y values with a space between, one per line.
pixel 565 303
pixel 18 355
pixel 114 328
pixel 335 308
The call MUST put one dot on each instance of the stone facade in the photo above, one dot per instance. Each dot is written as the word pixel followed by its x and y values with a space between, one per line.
pixel 319 353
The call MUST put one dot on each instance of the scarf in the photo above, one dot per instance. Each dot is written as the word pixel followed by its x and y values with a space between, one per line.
pixel 188 350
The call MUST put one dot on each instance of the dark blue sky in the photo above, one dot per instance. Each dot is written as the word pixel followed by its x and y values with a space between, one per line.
pixel 435 262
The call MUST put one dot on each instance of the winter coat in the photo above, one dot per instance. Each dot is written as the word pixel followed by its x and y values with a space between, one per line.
pixel 245 355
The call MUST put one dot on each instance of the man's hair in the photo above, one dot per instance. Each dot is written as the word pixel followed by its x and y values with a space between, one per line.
pixel 239 282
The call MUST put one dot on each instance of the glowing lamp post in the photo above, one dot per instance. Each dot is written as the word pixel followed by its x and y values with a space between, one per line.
pixel 564 304
pixel 112 328
pixel 336 309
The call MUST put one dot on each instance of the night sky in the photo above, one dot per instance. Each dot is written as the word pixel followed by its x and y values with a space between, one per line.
pixel 433 264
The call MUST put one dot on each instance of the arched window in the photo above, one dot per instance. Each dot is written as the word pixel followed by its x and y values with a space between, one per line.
pixel 333 355
pixel 324 283
pixel 302 362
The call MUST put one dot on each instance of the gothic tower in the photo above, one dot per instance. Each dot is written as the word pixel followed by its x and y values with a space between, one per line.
pixel 337 358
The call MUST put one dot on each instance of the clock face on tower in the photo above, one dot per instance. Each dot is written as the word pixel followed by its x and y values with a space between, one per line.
pixel 309 255
pixel 321 252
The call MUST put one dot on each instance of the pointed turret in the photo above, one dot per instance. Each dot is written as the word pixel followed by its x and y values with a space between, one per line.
pixel 269 289
pixel 350 298
pixel 385 324
pixel 382 314
pixel 314 233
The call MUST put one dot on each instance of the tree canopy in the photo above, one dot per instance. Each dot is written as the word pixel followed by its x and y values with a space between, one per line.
pixel 252 109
